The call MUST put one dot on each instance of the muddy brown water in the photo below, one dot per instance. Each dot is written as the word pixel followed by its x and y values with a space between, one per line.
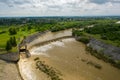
pixel 66 56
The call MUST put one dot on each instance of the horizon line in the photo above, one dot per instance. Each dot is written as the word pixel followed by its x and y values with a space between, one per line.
pixel 64 16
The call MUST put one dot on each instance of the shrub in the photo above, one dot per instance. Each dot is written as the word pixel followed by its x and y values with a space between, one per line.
pixel 1 32
pixel 12 31
pixel 37 58
pixel 84 40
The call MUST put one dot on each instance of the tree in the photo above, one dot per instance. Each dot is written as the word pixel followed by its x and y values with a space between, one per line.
pixel 29 27
pixel 8 45
pixel 14 42
pixel 11 43
pixel 12 31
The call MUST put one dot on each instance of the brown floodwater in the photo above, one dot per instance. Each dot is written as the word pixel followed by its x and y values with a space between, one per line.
pixel 70 58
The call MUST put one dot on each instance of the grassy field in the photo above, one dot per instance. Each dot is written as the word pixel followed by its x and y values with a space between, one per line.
pixel 98 36
pixel 4 37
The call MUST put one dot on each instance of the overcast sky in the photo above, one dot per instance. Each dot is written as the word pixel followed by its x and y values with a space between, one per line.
pixel 59 7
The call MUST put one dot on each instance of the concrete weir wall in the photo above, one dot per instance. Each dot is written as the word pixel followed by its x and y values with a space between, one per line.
pixel 45 37
pixel 109 50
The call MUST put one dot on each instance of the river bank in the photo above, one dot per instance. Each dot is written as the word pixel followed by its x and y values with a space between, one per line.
pixel 9 71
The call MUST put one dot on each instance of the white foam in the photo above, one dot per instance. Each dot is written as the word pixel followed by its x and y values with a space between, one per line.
pixel 42 50
pixel 68 40
pixel 57 43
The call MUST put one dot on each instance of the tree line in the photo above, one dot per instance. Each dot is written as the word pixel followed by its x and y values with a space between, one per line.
pixel 106 31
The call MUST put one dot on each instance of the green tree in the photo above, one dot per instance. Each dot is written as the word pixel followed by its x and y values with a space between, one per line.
pixel 11 41
pixel 12 31
pixel 29 28
pixel 14 42
pixel 8 45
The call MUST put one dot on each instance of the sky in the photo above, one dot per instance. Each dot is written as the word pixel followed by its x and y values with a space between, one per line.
pixel 59 7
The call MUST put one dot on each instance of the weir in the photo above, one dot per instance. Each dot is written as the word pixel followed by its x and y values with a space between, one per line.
pixel 37 39
pixel 48 41
pixel 23 48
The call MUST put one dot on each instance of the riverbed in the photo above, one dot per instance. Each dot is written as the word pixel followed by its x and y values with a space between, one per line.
pixel 69 58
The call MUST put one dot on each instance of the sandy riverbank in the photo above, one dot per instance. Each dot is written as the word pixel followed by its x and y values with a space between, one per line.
pixel 9 71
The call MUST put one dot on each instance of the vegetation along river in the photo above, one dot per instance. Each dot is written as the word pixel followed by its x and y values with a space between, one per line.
pixel 68 59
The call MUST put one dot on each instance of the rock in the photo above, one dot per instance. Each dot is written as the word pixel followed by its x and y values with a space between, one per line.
pixel 107 49
pixel 13 56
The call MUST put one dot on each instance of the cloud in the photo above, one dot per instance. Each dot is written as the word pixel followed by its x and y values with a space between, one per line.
pixel 19 2
pixel 61 7
pixel 99 1
pixel 4 1
pixel 104 1
pixel 15 2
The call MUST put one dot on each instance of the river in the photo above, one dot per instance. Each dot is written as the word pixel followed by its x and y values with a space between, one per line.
pixel 70 58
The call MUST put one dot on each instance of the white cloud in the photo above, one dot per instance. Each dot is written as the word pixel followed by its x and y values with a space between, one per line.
pixel 59 7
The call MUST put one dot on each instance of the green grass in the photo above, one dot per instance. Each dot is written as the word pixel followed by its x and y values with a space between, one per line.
pixel 19 36
pixel 98 36
pixel 3 38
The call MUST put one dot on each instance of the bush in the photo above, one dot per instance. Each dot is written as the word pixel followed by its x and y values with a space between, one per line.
pixel 1 32
pixel 77 33
pixel 84 40
pixel 106 31
pixel 37 58
pixel 12 31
